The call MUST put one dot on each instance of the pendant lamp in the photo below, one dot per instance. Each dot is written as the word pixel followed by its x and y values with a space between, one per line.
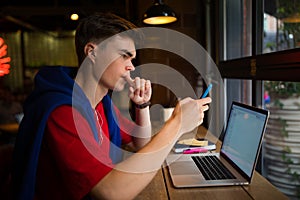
pixel 159 13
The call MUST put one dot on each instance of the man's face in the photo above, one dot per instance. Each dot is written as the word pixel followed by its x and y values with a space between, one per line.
pixel 115 57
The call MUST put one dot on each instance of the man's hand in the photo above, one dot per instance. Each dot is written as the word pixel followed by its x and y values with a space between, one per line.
pixel 140 90
pixel 190 112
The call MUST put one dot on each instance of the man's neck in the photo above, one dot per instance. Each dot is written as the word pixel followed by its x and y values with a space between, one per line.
pixel 91 88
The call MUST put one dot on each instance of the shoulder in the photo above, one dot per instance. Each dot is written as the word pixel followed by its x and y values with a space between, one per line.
pixel 67 118
pixel 65 111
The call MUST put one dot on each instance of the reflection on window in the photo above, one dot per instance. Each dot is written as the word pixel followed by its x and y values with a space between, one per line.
pixel 281 25
pixel 276 91
pixel 281 140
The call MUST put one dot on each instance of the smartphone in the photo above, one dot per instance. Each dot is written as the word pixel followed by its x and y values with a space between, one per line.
pixel 206 91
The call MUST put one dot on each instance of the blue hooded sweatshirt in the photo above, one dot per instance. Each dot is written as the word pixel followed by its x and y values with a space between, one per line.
pixel 54 86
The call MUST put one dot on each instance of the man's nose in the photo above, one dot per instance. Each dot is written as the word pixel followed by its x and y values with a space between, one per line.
pixel 130 67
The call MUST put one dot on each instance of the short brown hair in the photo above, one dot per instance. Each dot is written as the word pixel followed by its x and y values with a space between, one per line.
pixel 98 27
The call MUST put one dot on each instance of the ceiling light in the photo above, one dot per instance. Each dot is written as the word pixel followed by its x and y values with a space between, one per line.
pixel 74 17
pixel 159 13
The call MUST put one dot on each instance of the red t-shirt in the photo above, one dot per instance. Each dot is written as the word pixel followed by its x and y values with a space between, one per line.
pixel 67 169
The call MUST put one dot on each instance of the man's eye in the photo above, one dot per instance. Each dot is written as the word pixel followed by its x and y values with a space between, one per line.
pixel 124 56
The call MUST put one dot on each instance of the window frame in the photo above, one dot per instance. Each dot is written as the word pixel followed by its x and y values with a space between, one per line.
pixel 277 66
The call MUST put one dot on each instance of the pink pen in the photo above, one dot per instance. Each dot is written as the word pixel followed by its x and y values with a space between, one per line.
pixel 196 150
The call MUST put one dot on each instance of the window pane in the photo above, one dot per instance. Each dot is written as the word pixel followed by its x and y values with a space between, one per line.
pixel 282 138
pixel 237 44
pixel 276 91
pixel 238 30
pixel 281 25
pixel 238 90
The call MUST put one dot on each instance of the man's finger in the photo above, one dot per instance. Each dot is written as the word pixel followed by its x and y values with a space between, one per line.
pixel 129 80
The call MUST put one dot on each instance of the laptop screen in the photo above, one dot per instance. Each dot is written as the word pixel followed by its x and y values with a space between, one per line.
pixel 244 132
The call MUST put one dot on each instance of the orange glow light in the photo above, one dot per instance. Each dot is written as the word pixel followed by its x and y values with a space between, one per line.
pixel 4 60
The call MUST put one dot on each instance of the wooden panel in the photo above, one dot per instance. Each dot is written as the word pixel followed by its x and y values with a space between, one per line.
pixel 284 66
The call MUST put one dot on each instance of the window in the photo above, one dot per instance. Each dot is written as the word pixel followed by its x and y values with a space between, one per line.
pixel 237 40
pixel 260 62
pixel 281 25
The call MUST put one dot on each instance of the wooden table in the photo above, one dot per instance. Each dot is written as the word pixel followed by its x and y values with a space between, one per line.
pixel 161 188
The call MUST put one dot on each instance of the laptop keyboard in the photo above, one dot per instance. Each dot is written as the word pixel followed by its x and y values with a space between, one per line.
pixel 211 168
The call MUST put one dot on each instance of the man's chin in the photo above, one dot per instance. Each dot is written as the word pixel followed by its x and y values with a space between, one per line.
pixel 119 88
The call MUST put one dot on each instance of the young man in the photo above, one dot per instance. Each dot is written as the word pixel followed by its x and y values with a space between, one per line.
pixel 69 143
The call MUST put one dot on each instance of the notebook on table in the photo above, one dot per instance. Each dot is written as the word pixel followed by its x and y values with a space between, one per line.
pixel 238 154
pixel 208 145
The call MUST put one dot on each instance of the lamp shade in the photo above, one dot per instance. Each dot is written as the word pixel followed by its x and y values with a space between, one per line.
pixel 159 13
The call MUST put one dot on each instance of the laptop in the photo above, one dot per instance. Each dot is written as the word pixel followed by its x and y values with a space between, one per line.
pixel 238 154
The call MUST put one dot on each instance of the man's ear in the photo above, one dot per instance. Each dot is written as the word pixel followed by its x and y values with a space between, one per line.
pixel 89 51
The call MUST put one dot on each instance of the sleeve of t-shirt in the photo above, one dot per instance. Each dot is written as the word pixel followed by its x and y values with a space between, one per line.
pixel 80 159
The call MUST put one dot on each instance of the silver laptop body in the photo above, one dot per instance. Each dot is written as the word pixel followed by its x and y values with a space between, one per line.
pixel 239 151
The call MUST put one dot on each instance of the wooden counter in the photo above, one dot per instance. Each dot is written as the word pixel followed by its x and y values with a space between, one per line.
pixel 161 188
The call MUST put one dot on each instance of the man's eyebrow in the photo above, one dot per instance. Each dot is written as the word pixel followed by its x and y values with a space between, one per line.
pixel 127 53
